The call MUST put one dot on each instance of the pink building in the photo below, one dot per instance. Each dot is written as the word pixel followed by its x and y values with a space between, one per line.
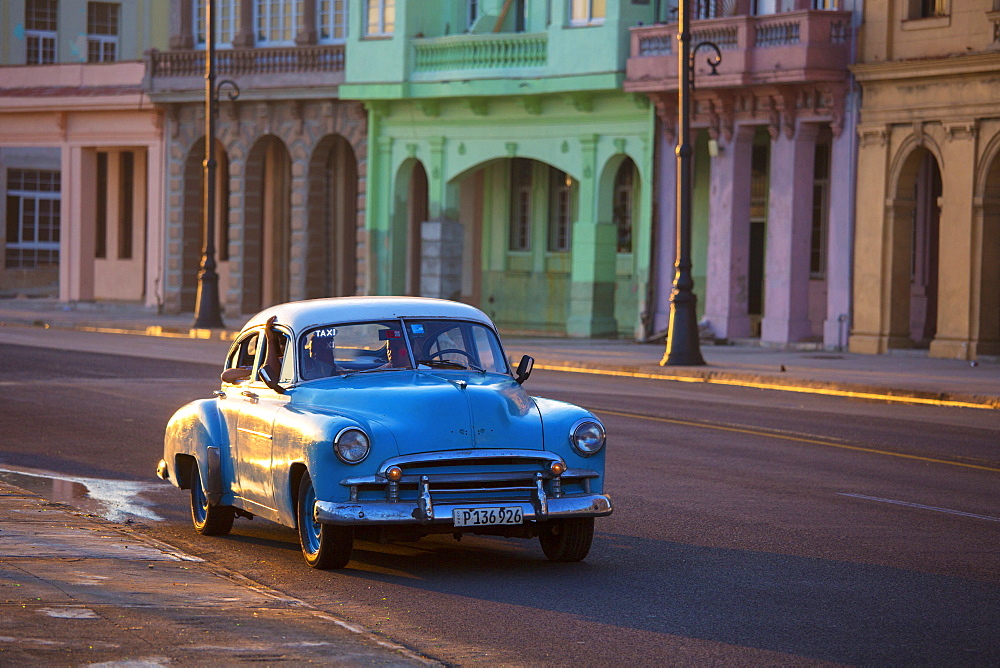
pixel 774 161
pixel 81 160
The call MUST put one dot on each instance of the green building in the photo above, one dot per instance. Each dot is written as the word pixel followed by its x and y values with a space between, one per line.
pixel 506 167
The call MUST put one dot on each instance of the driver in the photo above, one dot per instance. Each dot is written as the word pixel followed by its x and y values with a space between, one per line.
pixel 319 359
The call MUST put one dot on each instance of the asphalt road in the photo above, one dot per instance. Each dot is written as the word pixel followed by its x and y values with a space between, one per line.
pixel 751 527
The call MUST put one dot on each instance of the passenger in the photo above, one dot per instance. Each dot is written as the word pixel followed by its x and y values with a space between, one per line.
pixel 319 358
pixel 398 357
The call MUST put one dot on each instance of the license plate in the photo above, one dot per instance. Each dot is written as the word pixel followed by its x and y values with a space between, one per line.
pixel 474 517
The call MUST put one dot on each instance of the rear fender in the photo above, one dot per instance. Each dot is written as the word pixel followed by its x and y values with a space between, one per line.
pixel 197 431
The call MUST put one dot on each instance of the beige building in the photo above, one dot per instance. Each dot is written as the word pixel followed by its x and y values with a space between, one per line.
pixel 927 236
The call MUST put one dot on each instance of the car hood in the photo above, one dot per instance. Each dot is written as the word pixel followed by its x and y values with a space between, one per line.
pixel 431 411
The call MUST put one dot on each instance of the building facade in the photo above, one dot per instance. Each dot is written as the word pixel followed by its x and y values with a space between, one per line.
pixel 80 150
pixel 774 158
pixel 291 155
pixel 927 251
pixel 507 167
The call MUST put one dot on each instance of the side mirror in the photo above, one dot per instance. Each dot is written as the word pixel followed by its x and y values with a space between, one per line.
pixel 235 374
pixel 265 375
pixel 524 369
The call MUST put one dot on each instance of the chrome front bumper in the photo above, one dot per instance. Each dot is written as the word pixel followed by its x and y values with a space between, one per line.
pixel 425 512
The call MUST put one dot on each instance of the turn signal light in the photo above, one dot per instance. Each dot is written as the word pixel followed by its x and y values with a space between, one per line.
pixel 394 474
pixel 557 468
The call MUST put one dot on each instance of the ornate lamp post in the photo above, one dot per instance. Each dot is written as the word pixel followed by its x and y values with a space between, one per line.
pixel 208 310
pixel 682 339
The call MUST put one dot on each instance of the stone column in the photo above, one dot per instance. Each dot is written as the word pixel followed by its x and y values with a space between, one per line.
pixel 958 243
pixel 77 223
pixel 726 287
pixel 789 231
pixel 666 228
pixel 244 37
pixel 307 34
pixel 441 243
pixel 182 25
pixel 872 223
pixel 836 326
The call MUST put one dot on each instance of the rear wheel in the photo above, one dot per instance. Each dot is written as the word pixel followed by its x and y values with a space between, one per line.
pixel 208 520
pixel 324 546
pixel 568 539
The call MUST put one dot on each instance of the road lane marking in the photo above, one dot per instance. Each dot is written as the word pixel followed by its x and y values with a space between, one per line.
pixel 921 506
pixel 800 439
pixel 826 391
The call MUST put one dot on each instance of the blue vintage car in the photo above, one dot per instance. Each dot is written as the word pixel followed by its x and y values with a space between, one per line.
pixel 386 418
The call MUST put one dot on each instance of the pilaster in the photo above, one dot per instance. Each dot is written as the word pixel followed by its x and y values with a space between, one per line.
pixel 789 232
pixel 592 276
pixel 836 326
pixel 729 237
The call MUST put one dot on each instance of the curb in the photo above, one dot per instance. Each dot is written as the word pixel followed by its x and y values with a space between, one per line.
pixel 678 374
pixel 780 384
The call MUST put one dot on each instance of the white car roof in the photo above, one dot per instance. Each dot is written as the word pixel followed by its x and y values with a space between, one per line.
pixel 302 315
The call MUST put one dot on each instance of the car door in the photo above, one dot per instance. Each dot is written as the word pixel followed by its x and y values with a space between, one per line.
pixel 236 380
pixel 254 436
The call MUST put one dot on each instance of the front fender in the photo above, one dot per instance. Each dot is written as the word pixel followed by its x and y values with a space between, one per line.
pixel 558 418
pixel 304 441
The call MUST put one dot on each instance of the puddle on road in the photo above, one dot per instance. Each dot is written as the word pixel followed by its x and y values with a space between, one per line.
pixel 114 500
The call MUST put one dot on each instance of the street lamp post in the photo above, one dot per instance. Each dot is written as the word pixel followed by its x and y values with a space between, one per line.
pixel 682 338
pixel 208 310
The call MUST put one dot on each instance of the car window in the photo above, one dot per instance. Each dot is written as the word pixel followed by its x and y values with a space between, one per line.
pixel 286 364
pixel 333 350
pixel 461 344
pixel 240 362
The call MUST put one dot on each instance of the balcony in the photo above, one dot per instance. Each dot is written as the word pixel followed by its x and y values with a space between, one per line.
pixel 259 68
pixel 777 49
pixel 470 55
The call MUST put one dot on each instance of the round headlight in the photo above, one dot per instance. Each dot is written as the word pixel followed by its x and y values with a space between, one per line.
pixel 351 445
pixel 587 437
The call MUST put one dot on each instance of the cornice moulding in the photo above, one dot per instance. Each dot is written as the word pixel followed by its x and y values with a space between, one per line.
pixel 901 70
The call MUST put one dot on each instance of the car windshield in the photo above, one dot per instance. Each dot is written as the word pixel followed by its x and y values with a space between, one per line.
pixel 455 344
pixel 339 349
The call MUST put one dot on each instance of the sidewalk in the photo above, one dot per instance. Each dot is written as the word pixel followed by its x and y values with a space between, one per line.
pixel 80 590
pixel 905 376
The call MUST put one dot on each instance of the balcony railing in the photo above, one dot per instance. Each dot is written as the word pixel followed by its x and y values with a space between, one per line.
pixel 480 52
pixel 787 47
pixel 237 62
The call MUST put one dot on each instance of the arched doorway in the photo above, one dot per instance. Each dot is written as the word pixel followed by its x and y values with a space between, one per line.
pixel 193 224
pixel 989 286
pixel 417 211
pixel 267 224
pixel 410 210
pixel 914 274
pixel 331 259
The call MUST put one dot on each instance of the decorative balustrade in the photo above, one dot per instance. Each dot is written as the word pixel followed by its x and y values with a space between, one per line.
pixel 236 62
pixel 480 52
pixel 724 37
pixel 656 45
pixel 776 34
pixel 758 46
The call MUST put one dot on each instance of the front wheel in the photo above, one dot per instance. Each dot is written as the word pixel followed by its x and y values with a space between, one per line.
pixel 208 520
pixel 568 539
pixel 324 546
